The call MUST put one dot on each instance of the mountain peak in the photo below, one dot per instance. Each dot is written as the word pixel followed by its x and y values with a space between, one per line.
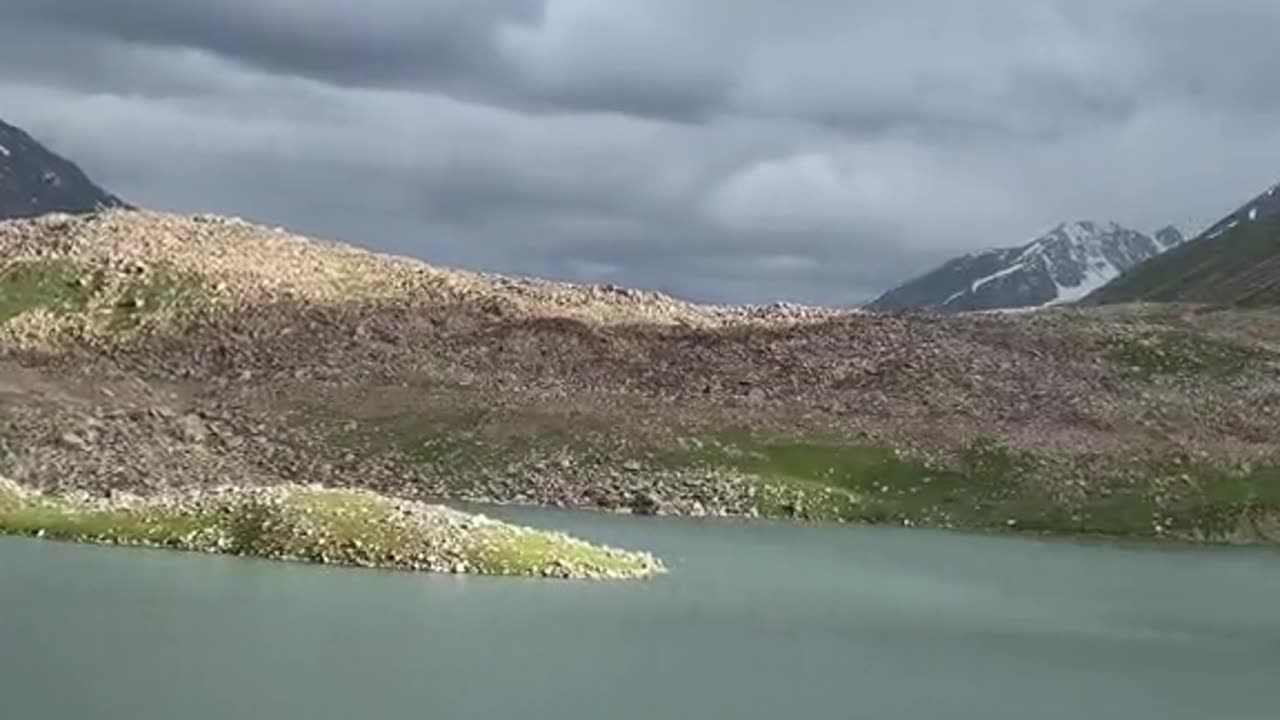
pixel 1235 261
pixel 1088 226
pixel 1066 263
pixel 1169 236
pixel 34 180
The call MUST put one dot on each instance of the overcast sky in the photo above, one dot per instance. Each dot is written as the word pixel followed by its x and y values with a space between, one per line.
pixel 741 150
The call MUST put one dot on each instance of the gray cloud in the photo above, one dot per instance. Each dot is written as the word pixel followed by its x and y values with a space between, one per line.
pixel 377 42
pixel 1215 55
pixel 723 149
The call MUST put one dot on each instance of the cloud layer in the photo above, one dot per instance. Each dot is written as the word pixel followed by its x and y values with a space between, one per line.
pixel 723 150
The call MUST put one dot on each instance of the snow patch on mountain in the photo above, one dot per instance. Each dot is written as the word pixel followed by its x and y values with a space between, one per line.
pixel 1061 266
pixel 995 276
pixel 1096 275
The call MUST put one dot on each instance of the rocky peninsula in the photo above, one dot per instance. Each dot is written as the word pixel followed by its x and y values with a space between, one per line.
pixel 315 525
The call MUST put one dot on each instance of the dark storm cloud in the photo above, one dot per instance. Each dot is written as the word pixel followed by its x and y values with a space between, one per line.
pixel 665 58
pixel 373 42
pixel 817 150
pixel 451 46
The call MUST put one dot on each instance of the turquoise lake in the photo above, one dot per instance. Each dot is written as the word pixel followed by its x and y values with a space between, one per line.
pixel 754 621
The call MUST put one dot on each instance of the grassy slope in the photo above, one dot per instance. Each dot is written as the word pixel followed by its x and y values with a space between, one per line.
pixel 1240 267
pixel 323 526
pixel 990 487
pixel 48 285
pixel 71 295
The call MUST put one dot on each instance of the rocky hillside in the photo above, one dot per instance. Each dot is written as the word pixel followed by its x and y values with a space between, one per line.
pixel 139 351
pixel 34 180
pixel 1061 266
pixel 1235 262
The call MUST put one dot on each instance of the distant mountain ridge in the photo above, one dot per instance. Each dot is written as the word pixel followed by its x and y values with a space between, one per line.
pixel 1064 265
pixel 1236 261
pixel 34 180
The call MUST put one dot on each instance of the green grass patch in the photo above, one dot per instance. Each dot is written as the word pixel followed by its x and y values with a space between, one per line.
pixel 61 521
pixel 868 482
pixel 1216 503
pixel 57 286
pixel 1181 353
pixel 988 486
pixel 162 295
pixel 120 303
pixel 1193 501
pixel 339 527
pixel 1122 509
pixel 507 551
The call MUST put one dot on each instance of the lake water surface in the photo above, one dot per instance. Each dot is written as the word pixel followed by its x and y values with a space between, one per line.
pixel 754 621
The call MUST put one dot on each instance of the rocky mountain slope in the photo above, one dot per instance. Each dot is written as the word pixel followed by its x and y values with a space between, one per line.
pixel 1061 266
pixel 34 180
pixel 1235 262
pixel 139 351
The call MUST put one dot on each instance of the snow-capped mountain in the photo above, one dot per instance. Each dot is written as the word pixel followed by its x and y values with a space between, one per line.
pixel 1061 266
pixel 35 181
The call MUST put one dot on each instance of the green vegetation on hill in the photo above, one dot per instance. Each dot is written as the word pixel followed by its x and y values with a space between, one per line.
pixel 985 486
pixel 116 303
pixel 50 285
pixel 1241 267
pixel 868 482
pixel 991 487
